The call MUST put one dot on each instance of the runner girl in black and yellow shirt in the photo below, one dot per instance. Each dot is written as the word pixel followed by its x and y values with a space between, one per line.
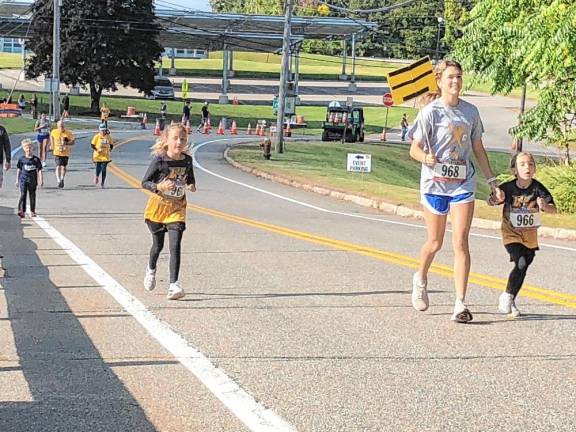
pixel 102 145
pixel 169 175
pixel 524 199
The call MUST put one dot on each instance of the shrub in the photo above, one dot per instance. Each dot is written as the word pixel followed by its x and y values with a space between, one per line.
pixel 561 182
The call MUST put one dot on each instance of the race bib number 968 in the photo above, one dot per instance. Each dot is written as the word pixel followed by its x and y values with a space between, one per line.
pixel 449 172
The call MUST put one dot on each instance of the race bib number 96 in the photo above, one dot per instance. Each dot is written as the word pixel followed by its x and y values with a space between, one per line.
pixel 449 172
pixel 525 219
pixel 178 192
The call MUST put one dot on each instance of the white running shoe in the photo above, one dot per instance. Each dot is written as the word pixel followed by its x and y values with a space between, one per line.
pixel 150 280
pixel 419 294
pixel 175 291
pixel 461 315
pixel 514 310
pixel 505 302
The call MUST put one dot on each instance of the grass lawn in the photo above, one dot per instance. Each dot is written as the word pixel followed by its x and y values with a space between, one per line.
pixel 394 178
pixel 10 61
pixel 265 65
pixel 243 114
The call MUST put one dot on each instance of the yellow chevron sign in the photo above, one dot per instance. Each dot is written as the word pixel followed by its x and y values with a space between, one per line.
pixel 413 80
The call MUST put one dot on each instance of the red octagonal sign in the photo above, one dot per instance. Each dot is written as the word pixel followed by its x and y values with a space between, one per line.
pixel 387 99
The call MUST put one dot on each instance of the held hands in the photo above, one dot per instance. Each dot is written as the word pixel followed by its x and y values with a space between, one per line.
pixel 497 197
pixel 166 185
pixel 429 160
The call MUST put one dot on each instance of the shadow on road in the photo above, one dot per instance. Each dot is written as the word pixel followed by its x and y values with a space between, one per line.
pixel 72 387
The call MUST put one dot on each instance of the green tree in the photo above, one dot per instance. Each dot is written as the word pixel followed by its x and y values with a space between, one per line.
pixel 528 42
pixel 456 16
pixel 104 43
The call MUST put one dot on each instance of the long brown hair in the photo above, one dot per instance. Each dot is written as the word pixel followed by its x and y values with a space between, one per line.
pixel 431 96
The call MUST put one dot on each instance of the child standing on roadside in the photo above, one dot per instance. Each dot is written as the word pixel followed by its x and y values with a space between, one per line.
pixel 169 175
pixel 28 177
pixel 524 198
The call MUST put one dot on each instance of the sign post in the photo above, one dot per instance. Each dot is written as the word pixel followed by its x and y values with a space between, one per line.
pixel 388 102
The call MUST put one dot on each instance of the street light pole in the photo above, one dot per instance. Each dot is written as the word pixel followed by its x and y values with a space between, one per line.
pixel 55 83
pixel 437 54
pixel 284 72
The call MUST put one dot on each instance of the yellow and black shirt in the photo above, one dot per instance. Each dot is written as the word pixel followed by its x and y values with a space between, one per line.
pixel 170 206
pixel 62 140
pixel 520 215
pixel 102 146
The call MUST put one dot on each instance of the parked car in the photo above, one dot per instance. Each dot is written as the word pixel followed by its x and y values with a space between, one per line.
pixel 163 89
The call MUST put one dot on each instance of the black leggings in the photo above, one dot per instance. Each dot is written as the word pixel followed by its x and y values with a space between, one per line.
pixel 30 189
pixel 516 278
pixel 175 238
pixel 101 168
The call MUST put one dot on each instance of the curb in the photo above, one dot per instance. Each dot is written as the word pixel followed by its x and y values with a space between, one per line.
pixel 392 209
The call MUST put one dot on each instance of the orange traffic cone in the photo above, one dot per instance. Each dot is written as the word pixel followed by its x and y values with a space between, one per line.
pixel 288 130
pixel 234 128
pixel 259 130
pixel 383 136
pixel 249 129
pixel 235 101
pixel 144 120
pixel 220 130
pixel 206 129
pixel 157 128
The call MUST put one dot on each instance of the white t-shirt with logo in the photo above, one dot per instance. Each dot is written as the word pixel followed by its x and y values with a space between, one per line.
pixel 448 132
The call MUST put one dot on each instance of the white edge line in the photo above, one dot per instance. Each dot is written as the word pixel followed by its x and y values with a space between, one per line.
pixel 324 210
pixel 253 414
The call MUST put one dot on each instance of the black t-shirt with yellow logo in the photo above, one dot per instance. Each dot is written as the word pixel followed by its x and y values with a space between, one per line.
pixel 521 214
pixel 170 206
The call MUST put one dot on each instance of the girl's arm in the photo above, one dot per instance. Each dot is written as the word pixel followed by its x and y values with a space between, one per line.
pixel 420 155
pixel 482 158
pixel 545 206
pixel 17 176
pixel 40 178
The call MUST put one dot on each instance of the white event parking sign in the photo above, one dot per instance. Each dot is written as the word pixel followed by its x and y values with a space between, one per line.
pixel 359 162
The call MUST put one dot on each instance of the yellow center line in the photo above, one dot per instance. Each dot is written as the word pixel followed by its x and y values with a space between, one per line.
pixel 535 292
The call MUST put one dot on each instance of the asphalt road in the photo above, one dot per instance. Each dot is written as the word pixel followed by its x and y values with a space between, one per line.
pixel 297 316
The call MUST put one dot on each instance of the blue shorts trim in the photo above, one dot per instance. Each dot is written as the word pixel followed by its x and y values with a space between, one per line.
pixel 41 137
pixel 440 204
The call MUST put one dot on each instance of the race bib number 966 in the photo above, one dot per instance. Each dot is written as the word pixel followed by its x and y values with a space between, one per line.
pixel 525 219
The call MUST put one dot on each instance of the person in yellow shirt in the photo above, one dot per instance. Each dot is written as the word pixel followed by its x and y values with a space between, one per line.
pixel 168 177
pixel 104 114
pixel 102 144
pixel 61 139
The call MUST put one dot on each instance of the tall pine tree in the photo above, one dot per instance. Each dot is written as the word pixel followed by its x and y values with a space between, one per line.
pixel 104 44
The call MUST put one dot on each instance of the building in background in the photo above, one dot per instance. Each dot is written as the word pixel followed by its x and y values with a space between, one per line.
pixel 10 45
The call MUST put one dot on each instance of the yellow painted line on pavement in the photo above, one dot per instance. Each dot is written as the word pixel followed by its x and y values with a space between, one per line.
pixel 535 292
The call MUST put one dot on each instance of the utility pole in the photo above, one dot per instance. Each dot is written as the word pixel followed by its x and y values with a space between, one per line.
pixel 55 84
pixel 520 141
pixel 284 73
